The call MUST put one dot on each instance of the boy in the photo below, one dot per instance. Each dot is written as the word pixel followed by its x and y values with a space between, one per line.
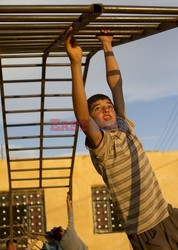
pixel 67 239
pixel 118 155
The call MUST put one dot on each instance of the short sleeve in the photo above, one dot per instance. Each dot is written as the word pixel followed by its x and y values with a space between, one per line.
pixel 102 151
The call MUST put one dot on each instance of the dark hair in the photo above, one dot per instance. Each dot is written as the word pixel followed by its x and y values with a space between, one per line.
pixel 95 98
pixel 8 242
pixel 55 233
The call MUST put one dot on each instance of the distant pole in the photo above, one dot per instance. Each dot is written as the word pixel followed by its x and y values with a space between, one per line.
pixel 2 156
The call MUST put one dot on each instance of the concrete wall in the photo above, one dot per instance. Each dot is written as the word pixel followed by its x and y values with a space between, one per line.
pixel 165 165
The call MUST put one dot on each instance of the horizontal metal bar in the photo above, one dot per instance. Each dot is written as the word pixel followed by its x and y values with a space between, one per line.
pixel 154 19
pixel 87 8
pixel 62 186
pixel 39 18
pixel 44 158
pixel 23 44
pixel 58 95
pixel 25 170
pixel 24 149
pixel 37 179
pixel 114 32
pixel 23 137
pixel 32 124
pixel 30 32
pixel 59 147
pixel 73 18
pixel 38 148
pixel 82 41
pixel 22 125
pixel 22 111
pixel 32 37
pixel 140 9
pixel 38 110
pixel 65 26
pixel 38 136
pixel 34 55
pixel 20 65
pixel 56 178
pixel 92 36
pixel 34 26
pixel 113 26
pixel 37 169
pixel 11 50
pixel 36 96
pixel 21 96
pixel 55 168
pixel 59 110
pixel 58 158
pixel 59 136
pixel 22 56
pixel 38 80
pixel 30 50
pixel 45 8
pixel 52 37
pixel 25 33
pixel 25 179
pixel 39 187
pixel 52 54
pixel 37 65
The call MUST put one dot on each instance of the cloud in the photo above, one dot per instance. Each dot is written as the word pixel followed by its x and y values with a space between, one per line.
pixel 149 91
pixel 148 66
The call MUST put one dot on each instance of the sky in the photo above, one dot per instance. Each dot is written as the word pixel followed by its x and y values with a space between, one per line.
pixel 149 69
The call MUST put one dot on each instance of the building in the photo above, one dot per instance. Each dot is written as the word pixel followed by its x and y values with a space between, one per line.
pixel 94 217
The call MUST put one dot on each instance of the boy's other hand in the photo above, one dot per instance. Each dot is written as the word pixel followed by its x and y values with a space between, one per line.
pixel 69 201
pixel 105 36
pixel 73 50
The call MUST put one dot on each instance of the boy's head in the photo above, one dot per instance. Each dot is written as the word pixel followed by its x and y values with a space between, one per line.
pixel 102 111
pixel 11 246
pixel 56 233
pixel 92 99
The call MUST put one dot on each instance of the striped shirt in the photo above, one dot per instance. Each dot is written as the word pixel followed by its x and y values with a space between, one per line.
pixel 125 168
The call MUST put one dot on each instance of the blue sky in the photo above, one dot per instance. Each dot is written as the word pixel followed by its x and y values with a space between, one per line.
pixel 149 69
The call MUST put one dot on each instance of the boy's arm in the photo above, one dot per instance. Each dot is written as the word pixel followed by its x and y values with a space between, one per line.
pixel 70 211
pixel 78 93
pixel 113 74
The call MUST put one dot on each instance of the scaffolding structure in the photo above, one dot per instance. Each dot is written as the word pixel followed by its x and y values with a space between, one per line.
pixel 32 38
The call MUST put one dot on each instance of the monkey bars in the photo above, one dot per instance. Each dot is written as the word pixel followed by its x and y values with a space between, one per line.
pixel 38 121
pixel 32 38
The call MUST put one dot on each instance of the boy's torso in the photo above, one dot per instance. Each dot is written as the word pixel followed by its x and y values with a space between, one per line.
pixel 121 160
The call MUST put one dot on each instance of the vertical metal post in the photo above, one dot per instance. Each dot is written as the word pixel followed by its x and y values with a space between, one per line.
pixel 42 116
pixel 7 154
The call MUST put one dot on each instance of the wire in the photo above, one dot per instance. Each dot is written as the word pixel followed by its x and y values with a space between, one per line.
pixel 171 132
pixel 167 128
pixel 175 137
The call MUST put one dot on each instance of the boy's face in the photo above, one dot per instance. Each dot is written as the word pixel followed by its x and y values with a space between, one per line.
pixel 103 113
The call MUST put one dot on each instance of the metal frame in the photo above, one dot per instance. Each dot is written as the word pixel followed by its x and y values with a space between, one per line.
pixel 39 32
